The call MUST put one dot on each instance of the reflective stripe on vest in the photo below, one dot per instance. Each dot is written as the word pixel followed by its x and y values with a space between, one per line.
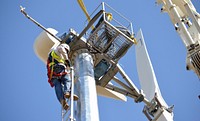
pixel 56 57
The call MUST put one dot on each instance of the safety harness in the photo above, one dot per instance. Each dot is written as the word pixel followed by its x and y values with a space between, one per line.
pixel 54 63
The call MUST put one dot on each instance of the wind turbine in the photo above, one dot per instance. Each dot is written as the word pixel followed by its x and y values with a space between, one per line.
pixel 102 50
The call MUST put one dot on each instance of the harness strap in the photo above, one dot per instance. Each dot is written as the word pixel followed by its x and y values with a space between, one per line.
pixel 50 69
pixel 50 73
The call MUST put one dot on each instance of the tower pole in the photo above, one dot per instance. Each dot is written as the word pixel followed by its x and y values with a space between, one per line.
pixel 87 107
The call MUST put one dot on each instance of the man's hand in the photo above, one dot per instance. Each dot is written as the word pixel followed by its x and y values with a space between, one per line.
pixel 68 63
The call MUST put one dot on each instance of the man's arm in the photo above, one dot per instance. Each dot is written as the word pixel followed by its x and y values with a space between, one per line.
pixel 63 54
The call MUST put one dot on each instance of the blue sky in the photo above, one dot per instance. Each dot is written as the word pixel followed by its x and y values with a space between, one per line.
pixel 25 93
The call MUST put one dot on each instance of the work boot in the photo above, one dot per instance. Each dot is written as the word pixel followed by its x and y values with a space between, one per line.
pixel 68 95
pixel 64 105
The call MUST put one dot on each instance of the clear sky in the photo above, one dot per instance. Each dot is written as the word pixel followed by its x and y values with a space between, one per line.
pixel 25 93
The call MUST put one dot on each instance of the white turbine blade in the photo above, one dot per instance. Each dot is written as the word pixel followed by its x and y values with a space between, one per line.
pixel 110 93
pixel 44 42
pixel 145 70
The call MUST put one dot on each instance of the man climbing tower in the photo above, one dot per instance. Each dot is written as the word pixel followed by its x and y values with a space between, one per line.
pixel 58 68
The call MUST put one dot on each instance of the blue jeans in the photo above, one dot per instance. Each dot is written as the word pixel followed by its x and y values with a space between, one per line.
pixel 62 85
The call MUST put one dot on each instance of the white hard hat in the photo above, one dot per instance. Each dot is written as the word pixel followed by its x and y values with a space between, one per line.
pixel 66 46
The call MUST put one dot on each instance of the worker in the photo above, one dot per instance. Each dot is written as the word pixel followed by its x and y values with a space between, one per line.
pixel 58 67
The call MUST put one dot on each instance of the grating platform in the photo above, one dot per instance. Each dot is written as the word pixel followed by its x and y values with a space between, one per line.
pixel 195 60
pixel 110 40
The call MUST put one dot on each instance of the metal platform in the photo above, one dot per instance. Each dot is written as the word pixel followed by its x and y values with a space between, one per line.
pixel 110 40
pixel 107 39
pixel 193 57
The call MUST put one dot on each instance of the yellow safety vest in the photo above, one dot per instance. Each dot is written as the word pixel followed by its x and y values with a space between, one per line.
pixel 54 57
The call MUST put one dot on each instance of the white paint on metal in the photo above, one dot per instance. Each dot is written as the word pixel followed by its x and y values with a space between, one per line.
pixel 146 73
pixel 148 79
pixel 110 94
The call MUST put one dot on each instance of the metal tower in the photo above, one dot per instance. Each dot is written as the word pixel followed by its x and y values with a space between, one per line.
pixel 95 53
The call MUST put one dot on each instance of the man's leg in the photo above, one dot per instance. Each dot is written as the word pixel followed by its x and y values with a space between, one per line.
pixel 66 82
pixel 59 93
